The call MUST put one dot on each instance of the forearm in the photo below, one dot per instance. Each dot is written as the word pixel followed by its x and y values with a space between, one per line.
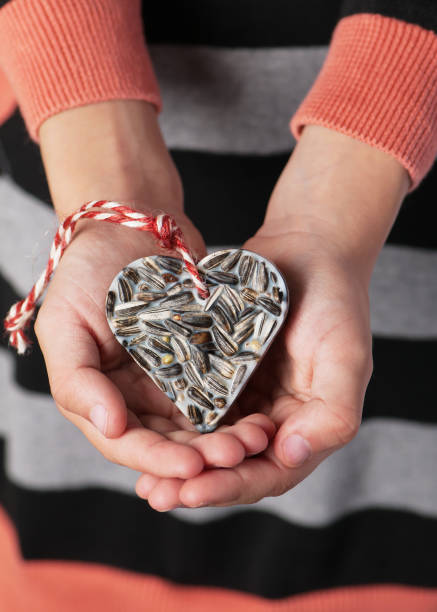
pixel 343 188
pixel 110 150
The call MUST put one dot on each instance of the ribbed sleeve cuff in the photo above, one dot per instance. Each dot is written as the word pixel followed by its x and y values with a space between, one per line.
pixel 379 84
pixel 60 54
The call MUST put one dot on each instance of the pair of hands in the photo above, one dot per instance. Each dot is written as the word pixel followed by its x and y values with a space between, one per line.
pixel 305 400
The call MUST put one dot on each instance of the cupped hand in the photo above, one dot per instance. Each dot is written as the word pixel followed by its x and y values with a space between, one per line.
pixel 96 384
pixel 311 384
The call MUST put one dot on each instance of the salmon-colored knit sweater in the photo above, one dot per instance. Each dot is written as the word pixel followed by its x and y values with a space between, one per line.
pixel 378 83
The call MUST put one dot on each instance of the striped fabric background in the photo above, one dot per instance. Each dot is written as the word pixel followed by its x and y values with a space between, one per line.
pixel 231 77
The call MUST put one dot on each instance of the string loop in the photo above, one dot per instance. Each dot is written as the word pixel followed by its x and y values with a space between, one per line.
pixel 162 226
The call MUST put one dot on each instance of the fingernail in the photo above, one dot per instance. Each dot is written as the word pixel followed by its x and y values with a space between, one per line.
pixel 99 417
pixel 296 449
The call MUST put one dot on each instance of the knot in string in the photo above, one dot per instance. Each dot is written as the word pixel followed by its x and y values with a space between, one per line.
pixel 165 228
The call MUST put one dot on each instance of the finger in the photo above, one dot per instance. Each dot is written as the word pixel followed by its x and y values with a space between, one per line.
pixel 254 432
pixel 73 366
pixel 143 450
pixel 145 484
pixel 248 482
pixel 165 494
pixel 332 418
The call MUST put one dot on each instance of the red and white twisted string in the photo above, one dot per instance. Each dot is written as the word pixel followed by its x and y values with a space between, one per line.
pixel 162 226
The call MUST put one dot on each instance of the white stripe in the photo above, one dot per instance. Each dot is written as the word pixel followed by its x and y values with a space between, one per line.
pixel 232 100
pixel 390 464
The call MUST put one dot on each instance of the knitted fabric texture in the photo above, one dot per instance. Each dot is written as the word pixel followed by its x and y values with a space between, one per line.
pixel 60 55
pixel 379 84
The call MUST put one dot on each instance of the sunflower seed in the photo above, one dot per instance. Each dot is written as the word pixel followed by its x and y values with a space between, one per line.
pixel 174 289
pixel 149 356
pixel 229 307
pixel 269 305
pixel 140 360
pixel 239 375
pixel 151 278
pixel 214 259
pixel 249 295
pixel 154 314
pixel 150 263
pixel 200 398
pixel 170 371
pixel 197 320
pixel 154 328
pixel 261 277
pixel 214 384
pixel 224 341
pixel 219 402
pixel 179 299
pixel 170 263
pixel 180 383
pixel 188 308
pixel 188 283
pixel 277 295
pixel 247 316
pixel 211 418
pixel 222 366
pixel 149 296
pixel 245 356
pixel 274 277
pixel 159 346
pixel 214 296
pixel 222 277
pixel 235 298
pixel 200 338
pixel 169 278
pixel 160 383
pixel 124 322
pixel 231 260
pixel 178 328
pixel 139 339
pixel 124 290
pixel 243 333
pixel 267 330
pixel 143 287
pixel 245 269
pixel 220 317
pixel 193 374
pixel 129 308
pixel 130 330
pixel 194 414
pixel 110 301
pixel 259 323
pixel 180 347
pixel 209 347
pixel 200 359
pixel 131 274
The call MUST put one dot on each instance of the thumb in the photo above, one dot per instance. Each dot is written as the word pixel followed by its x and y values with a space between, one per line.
pixel 331 418
pixel 78 386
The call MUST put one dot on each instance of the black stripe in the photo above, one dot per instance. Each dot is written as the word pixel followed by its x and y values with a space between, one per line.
pixel 401 386
pixel 241 23
pixel 420 12
pixel 250 551
pixel 219 187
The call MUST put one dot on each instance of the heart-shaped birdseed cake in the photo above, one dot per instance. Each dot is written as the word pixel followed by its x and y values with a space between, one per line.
pixel 200 352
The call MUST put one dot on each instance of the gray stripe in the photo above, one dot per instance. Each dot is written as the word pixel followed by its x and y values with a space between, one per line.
pixel 403 289
pixel 390 464
pixel 232 100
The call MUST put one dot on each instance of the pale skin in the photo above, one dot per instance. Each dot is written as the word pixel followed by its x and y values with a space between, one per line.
pixel 326 222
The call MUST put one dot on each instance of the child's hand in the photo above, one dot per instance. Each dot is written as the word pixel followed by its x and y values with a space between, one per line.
pixel 327 220
pixel 94 380
pixel 115 150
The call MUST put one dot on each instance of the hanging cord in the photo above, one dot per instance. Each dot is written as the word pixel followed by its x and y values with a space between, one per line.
pixel 162 226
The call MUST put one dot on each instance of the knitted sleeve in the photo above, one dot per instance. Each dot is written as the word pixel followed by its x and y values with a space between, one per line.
pixel 379 81
pixel 56 55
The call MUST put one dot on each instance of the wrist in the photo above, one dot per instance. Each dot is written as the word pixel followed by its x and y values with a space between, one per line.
pixel 109 150
pixel 340 188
